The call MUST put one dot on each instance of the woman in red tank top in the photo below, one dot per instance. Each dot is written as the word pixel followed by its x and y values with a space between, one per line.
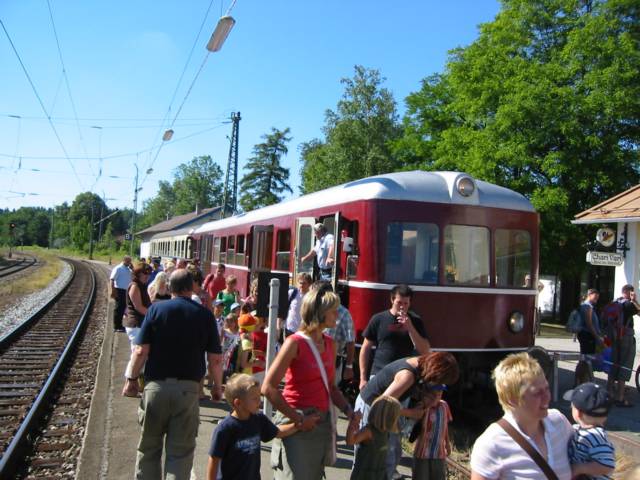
pixel 305 399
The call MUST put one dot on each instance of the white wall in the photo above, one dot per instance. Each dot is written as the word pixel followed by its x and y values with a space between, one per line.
pixel 629 271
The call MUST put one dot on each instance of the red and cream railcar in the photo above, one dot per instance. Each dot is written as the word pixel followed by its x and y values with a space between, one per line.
pixel 468 249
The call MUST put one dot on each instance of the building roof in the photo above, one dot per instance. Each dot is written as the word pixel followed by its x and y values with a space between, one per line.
pixel 180 221
pixel 419 186
pixel 624 207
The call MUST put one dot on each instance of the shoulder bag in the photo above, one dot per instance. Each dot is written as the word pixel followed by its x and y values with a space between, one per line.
pixel 330 452
pixel 527 447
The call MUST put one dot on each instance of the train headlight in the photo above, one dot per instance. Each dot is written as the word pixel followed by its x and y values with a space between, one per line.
pixel 516 322
pixel 465 186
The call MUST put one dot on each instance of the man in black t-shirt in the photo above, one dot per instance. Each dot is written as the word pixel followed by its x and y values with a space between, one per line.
pixel 173 339
pixel 396 333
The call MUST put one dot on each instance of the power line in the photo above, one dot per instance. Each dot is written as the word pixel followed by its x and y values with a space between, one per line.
pixel 175 91
pixel 66 81
pixel 35 91
pixel 119 155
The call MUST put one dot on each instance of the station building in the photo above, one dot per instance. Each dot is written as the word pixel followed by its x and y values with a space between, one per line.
pixel 617 253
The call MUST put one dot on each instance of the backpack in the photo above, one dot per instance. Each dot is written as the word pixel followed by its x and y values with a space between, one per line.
pixel 575 322
pixel 612 319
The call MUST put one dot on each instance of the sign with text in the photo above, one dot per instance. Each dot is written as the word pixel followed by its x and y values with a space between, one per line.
pixel 606 259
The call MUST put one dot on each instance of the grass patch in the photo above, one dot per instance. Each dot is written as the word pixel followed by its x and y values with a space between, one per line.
pixel 50 268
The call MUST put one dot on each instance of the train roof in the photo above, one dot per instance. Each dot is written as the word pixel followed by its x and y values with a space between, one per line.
pixel 175 233
pixel 417 185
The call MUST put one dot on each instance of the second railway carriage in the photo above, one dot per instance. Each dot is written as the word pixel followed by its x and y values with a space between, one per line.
pixel 173 244
pixel 468 249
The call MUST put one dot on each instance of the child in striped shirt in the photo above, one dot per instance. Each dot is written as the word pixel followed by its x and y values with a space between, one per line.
pixel 433 445
pixel 591 454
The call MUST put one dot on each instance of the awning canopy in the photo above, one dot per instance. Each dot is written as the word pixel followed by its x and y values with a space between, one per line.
pixel 623 208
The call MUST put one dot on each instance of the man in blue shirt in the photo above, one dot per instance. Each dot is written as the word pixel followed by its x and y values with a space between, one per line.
pixel 173 339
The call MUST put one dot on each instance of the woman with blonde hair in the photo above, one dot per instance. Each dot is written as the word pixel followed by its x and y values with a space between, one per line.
pixel 158 290
pixel 307 363
pixel 523 393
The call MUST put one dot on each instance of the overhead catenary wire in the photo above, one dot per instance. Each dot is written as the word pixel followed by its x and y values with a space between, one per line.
pixel 111 157
pixel 175 91
pixel 44 109
pixel 66 81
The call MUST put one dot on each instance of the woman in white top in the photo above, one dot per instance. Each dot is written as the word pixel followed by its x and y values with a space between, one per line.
pixel 524 395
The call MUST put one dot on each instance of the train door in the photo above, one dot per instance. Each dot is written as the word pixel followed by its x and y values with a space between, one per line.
pixel 303 245
pixel 332 224
pixel 262 248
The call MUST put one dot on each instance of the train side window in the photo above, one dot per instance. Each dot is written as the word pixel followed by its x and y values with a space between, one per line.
pixel 240 250
pixel 216 249
pixel 412 253
pixel 231 249
pixel 466 255
pixel 283 249
pixel 223 249
pixel 513 258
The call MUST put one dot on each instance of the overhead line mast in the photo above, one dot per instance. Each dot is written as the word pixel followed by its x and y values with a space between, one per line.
pixel 230 197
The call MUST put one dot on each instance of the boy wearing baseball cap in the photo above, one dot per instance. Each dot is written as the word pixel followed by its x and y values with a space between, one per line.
pixel 591 453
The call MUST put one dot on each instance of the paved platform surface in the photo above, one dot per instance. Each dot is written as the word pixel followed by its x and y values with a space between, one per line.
pixel 112 433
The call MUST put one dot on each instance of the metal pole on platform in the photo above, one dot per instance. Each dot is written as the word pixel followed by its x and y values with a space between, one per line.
pixel 272 335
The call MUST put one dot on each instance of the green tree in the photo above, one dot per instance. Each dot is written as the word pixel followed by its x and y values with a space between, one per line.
pixel 266 178
pixel 197 183
pixel 547 102
pixel 357 135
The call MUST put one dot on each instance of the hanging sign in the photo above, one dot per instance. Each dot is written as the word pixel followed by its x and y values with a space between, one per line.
pixel 606 259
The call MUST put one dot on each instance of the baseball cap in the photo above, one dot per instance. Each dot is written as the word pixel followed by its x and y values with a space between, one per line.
pixel 234 306
pixel 217 301
pixel 591 399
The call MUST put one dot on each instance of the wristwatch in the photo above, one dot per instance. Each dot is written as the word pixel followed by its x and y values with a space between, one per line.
pixel 350 367
pixel 131 379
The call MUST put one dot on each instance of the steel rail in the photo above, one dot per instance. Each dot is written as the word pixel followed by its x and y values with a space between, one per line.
pixel 23 264
pixel 15 451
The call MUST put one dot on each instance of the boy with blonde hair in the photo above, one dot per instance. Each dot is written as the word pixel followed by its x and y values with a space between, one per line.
pixel 590 452
pixel 235 444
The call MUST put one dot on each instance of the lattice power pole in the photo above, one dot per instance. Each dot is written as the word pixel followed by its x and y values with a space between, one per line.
pixel 230 197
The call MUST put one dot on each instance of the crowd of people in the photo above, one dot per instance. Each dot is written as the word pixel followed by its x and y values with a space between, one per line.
pixel 188 332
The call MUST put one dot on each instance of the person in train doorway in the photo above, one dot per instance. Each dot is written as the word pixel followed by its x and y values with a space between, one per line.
pixel 323 251
pixel 171 346
pixel 396 333
pixel 120 279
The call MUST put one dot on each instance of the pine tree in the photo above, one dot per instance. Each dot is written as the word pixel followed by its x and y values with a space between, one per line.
pixel 266 178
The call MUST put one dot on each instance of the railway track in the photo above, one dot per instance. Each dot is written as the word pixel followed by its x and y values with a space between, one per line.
pixel 34 360
pixel 15 267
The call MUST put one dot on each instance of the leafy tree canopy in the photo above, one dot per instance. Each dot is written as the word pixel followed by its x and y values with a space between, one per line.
pixel 546 101
pixel 357 135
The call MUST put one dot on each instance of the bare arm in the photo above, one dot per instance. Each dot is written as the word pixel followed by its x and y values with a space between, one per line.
pixel 330 256
pixel 365 354
pixel 311 254
pixel 286 430
pixel 591 469
pixel 215 372
pixel 402 382
pixel 138 359
pixel 347 371
pixel 274 375
pixel 212 468
pixel 422 344
pixel 355 436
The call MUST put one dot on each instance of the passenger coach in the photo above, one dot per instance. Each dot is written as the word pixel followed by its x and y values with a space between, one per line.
pixel 467 248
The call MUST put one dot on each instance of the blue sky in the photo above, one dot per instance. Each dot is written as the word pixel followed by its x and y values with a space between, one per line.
pixel 280 67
